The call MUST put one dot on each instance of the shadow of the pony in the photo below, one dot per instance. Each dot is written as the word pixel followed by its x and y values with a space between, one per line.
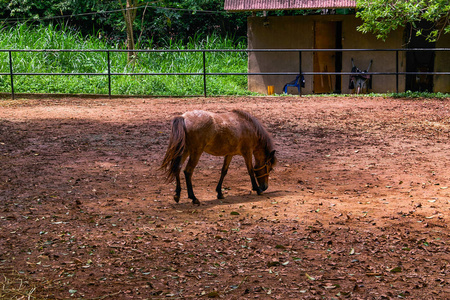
pixel 231 200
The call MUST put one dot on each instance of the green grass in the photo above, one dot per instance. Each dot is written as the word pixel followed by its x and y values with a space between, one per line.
pixel 403 95
pixel 50 37
pixel 419 95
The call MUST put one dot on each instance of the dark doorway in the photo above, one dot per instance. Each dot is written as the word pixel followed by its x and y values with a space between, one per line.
pixel 419 61
pixel 327 35
pixel 338 62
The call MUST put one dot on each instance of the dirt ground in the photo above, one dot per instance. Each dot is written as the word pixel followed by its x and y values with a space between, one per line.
pixel 357 207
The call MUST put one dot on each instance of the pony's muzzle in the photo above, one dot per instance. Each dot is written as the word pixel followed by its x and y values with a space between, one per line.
pixel 264 187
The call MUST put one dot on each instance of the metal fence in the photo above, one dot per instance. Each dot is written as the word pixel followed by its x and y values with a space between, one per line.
pixel 205 74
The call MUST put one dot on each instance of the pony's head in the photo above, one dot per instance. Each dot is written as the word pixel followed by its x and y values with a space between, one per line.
pixel 262 168
pixel 264 152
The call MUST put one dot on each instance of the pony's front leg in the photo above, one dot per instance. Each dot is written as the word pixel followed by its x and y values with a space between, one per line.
pixel 255 186
pixel 248 163
pixel 193 160
pixel 226 164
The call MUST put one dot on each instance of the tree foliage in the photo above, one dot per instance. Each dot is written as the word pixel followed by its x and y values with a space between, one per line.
pixel 383 16
pixel 156 22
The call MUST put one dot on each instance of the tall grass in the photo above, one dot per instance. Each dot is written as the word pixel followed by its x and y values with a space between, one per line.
pixel 51 37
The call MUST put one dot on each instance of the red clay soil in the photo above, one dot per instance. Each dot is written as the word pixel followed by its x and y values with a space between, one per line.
pixel 357 207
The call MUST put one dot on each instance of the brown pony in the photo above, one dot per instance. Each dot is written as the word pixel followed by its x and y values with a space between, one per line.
pixel 225 134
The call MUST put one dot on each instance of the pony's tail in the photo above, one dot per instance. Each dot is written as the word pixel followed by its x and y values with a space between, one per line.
pixel 177 143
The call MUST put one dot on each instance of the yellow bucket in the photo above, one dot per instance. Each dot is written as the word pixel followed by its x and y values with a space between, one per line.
pixel 270 89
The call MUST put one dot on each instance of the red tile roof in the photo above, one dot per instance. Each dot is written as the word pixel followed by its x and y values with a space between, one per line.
pixel 242 5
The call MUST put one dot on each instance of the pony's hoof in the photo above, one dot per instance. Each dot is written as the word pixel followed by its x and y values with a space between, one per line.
pixel 176 198
pixel 259 192
pixel 195 201
pixel 220 196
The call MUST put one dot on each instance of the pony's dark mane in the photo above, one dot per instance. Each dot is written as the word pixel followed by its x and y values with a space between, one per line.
pixel 262 133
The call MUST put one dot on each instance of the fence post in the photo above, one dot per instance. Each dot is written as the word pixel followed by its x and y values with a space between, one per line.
pixel 204 73
pixel 109 74
pixel 11 74
pixel 300 80
pixel 396 71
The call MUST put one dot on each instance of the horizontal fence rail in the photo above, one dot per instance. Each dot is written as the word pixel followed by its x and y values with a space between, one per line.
pixel 204 73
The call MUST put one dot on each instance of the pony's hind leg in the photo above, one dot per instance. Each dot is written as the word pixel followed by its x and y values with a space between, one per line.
pixel 177 195
pixel 226 164
pixel 192 162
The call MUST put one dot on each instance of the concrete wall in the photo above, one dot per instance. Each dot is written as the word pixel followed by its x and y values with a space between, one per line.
pixel 382 61
pixel 298 32
pixel 442 64
pixel 278 33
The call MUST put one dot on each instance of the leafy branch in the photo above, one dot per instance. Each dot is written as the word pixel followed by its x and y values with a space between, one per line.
pixel 383 16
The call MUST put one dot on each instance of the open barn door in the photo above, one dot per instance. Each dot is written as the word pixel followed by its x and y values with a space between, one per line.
pixel 327 35
pixel 419 61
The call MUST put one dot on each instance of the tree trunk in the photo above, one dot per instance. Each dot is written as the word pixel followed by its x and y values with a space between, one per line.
pixel 129 14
